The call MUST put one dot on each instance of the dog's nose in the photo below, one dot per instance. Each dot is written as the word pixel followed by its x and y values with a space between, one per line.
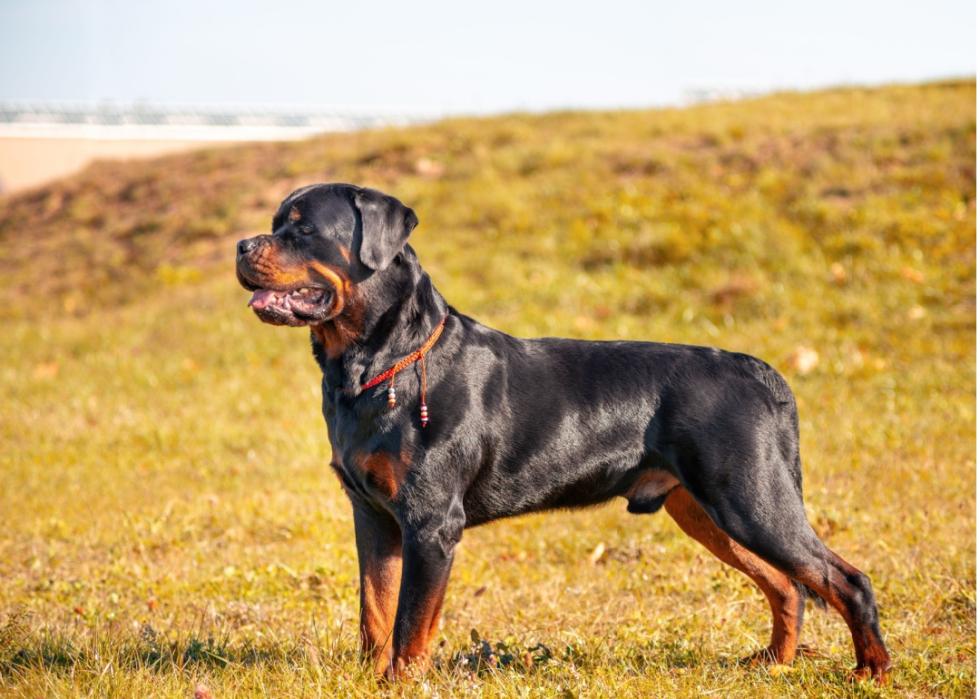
pixel 247 245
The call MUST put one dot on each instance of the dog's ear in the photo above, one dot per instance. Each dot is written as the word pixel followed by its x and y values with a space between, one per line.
pixel 385 226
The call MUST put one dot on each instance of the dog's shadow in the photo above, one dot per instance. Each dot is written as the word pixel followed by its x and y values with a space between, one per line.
pixel 483 657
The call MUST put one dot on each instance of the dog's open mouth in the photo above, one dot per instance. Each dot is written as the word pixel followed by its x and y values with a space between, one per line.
pixel 292 307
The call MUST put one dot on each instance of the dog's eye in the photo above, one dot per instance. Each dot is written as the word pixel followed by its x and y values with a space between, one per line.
pixel 306 229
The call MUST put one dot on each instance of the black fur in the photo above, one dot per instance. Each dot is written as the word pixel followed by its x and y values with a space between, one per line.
pixel 523 425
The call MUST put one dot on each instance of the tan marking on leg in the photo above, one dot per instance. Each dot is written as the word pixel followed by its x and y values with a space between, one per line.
pixel 379 602
pixel 873 660
pixel 379 555
pixel 415 654
pixel 781 593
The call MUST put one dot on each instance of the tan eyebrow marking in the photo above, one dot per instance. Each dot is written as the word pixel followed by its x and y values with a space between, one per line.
pixel 294 215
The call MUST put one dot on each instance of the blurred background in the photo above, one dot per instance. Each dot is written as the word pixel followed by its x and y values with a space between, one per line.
pixel 794 181
pixel 113 79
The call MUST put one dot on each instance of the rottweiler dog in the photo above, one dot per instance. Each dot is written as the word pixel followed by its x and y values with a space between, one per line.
pixel 438 423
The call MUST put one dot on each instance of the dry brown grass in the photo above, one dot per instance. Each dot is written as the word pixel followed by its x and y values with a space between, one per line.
pixel 168 516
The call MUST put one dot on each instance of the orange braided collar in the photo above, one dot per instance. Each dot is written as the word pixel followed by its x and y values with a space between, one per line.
pixel 416 356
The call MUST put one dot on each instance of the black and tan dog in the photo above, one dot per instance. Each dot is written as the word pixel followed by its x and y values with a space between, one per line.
pixel 526 425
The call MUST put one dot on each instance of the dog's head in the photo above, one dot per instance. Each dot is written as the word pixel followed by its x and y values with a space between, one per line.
pixel 326 240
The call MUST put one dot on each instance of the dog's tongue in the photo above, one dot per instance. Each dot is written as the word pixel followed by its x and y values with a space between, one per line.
pixel 261 298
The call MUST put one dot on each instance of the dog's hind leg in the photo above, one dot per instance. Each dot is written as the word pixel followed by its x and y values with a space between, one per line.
pixel 785 598
pixel 764 513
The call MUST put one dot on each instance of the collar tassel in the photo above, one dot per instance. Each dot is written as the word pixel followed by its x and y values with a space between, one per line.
pixel 416 356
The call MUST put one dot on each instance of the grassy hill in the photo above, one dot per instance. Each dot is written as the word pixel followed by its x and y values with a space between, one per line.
pixel 168 518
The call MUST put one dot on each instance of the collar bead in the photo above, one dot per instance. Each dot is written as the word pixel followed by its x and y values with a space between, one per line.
pixel 416 356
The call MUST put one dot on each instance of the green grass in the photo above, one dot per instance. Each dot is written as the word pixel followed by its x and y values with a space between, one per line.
pixel 168 515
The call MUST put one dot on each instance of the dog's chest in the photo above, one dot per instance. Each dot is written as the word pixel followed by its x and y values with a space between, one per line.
pixel 373 475
pixel 371 464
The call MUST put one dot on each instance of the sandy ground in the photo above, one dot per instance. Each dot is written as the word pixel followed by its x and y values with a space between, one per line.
pixel 28 162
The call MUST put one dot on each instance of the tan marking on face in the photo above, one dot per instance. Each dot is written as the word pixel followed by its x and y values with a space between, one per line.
pixel 270 271
pixel 339 333
pixel 335 336
pixel 340 282
pixel 294 215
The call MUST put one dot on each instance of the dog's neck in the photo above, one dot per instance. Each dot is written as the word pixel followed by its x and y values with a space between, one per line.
pixel 393 315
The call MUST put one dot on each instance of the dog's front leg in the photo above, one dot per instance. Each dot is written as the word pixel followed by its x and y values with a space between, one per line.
pixel 428 558
pixel 379 556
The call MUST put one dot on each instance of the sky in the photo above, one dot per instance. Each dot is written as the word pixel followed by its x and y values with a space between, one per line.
pixel 415 56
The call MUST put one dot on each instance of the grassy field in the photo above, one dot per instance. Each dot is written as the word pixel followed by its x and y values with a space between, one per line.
pixel 169 523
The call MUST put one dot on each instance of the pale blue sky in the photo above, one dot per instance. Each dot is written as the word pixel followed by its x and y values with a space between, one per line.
pixel 499 55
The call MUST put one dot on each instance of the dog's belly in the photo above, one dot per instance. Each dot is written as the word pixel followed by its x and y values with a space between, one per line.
pixel 640 478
